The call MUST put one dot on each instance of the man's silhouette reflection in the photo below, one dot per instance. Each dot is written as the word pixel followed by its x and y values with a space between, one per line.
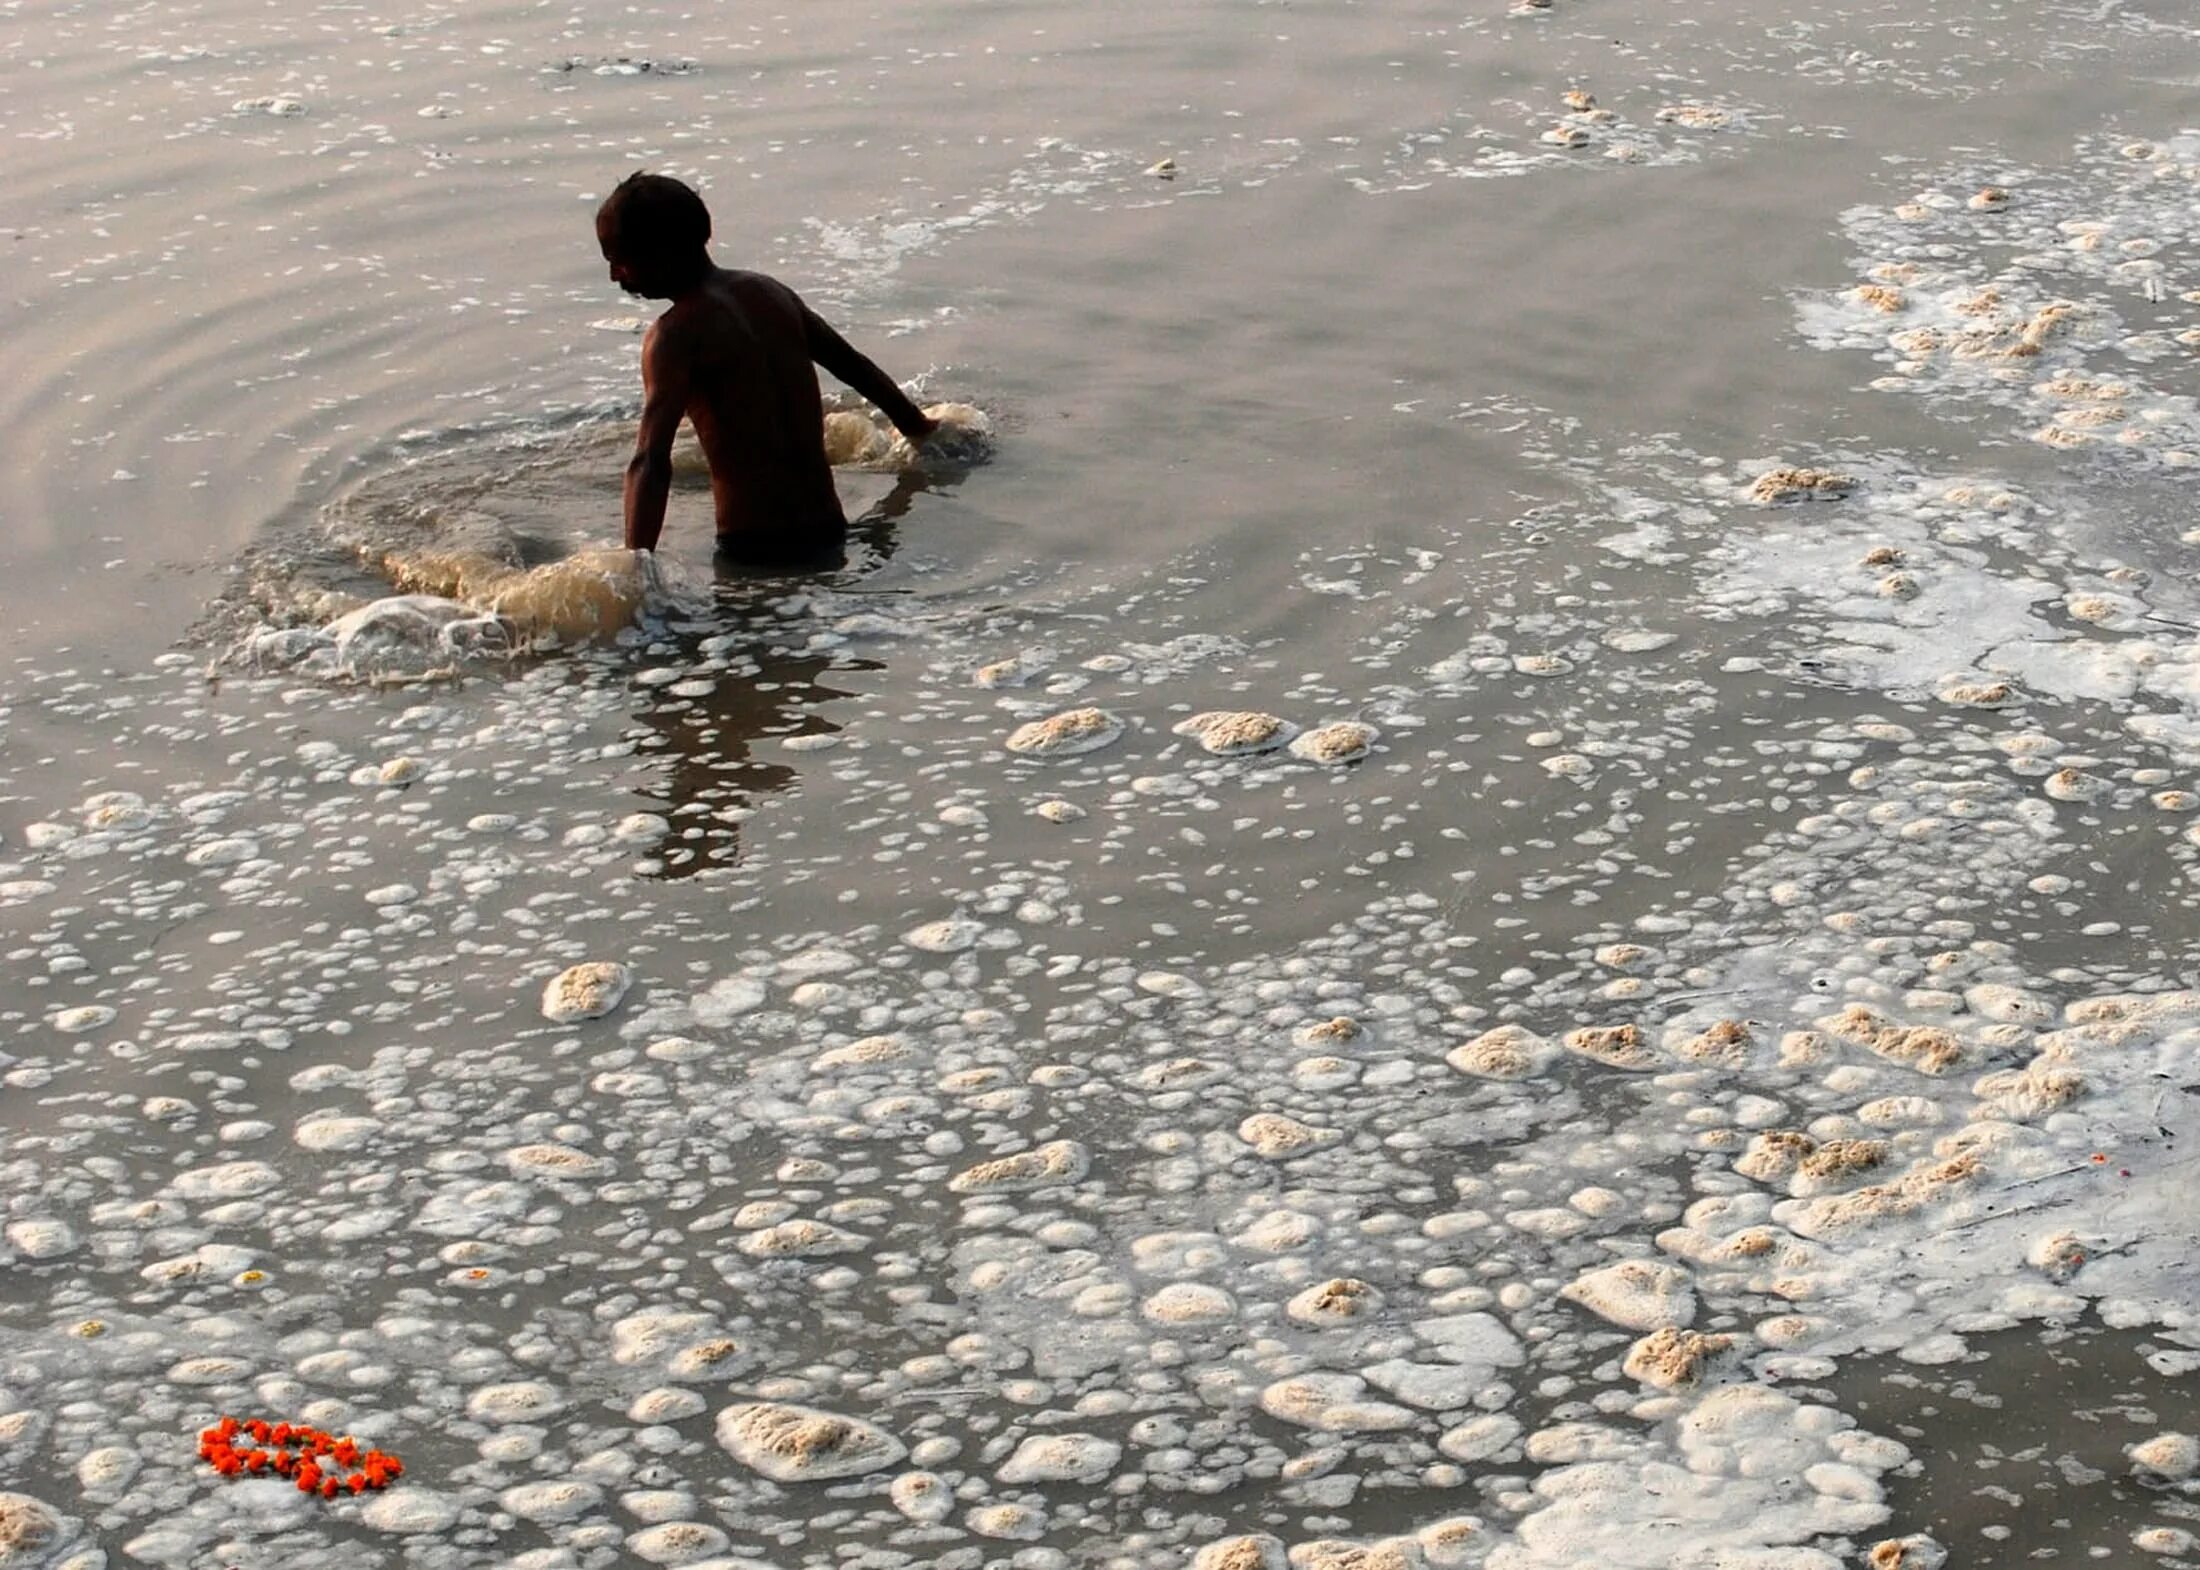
pixel 702 746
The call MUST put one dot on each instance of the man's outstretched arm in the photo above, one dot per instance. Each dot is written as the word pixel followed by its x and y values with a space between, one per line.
pixel 842 358
pixel 664 403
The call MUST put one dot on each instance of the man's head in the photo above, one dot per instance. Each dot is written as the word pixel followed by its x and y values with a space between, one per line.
pixel 653 231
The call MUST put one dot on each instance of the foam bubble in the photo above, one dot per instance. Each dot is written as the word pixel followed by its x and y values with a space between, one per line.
pixel 1061 1458
pixel 31 1530
pixel 411 1511
pixel 950 935
pixel 1066 734
pixel 1050 1165
pixel 1338 1301
pixel 2171 1455
pixel 586 991
pixel 1332 1403
pixel 1251 1551
pixel 1340 741
pixel 1671 1358
pixel 1188 1303
pixel 552 1500
pixel 1637 1294
pixel 792 1444
pixel 1236 733
pixel 676 1542
pixel 521 1401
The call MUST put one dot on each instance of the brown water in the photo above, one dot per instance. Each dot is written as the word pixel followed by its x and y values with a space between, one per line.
pixel 1384 408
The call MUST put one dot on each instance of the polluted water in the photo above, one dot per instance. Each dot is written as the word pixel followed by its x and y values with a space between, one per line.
pixel 1494 866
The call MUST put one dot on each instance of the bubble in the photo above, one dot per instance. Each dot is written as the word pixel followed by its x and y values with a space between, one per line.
pixel 949 936
pixel 1337 1301
pixel 1615 1046
pixel 410 1511
pixel 1696 117
pixel 1280 1138
pixel 1636 1294
pixel 665 1404
pixel 1252 1551
pixel 852 438
pixel 1332 1403
pixel 1236 733
pixel 1061 1458
pixel 1067 734
pixel 1188 1303
pixel 2169 1454
pixel 802 1239
pixel 2075 785
pixel 552 1499
pixel 1050 1165
pixel 85 1017
pixel 1490 1437
pixel 964 436
pixel 586 991
pixel 922 1496
pixel 676 1542
pixel 522 1401
pixel 554 1161
pixel 1672 1359
pixel 1792 484
pixel 801 1444
pixel 2164 1540
pixel 222 852
pixel 336 1133
pixel 1012 1522
pixel 1340 741
pixel 30 1530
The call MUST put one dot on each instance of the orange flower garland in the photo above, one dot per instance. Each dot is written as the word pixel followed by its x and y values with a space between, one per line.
pixel 319 1461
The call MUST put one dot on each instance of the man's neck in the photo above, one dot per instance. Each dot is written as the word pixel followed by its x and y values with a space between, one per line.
pixel 693 278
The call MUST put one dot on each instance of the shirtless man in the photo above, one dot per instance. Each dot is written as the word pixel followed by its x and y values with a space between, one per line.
pixel 733 355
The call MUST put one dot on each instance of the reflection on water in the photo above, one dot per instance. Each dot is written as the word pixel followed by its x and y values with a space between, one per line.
pixel 707 771
pixel 702 736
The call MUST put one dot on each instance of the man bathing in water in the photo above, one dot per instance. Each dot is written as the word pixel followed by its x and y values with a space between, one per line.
pixel 733 355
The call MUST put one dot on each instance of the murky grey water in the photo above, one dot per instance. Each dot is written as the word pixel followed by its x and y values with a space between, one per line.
pixel 1760 912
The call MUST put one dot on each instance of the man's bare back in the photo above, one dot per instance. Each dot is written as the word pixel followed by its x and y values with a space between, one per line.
pixel 734 356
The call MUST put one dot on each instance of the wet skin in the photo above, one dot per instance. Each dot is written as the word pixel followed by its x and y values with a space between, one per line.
pixel 734 355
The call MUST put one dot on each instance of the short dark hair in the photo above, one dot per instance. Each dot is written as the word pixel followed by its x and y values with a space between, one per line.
pixel 653 215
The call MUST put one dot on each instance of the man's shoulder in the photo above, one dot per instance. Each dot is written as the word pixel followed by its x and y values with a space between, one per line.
pixel 751 287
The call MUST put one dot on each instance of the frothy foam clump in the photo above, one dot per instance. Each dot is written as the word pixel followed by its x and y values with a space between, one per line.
pixel 964 436
pixel 461 606
pixel 31 1531
pixel 1051 1165
pixel 798 1444
pixel 1340 741
pixel 1065 735
pixel 1231 734
pixel 586 991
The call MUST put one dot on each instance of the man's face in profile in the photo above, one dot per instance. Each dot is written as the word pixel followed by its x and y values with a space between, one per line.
pixel 629 273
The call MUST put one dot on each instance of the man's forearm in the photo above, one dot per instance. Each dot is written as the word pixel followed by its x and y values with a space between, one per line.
pixel 892 402
pixel 848 363
pixel 648 484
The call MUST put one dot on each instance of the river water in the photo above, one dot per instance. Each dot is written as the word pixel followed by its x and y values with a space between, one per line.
pixel 1694 1074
